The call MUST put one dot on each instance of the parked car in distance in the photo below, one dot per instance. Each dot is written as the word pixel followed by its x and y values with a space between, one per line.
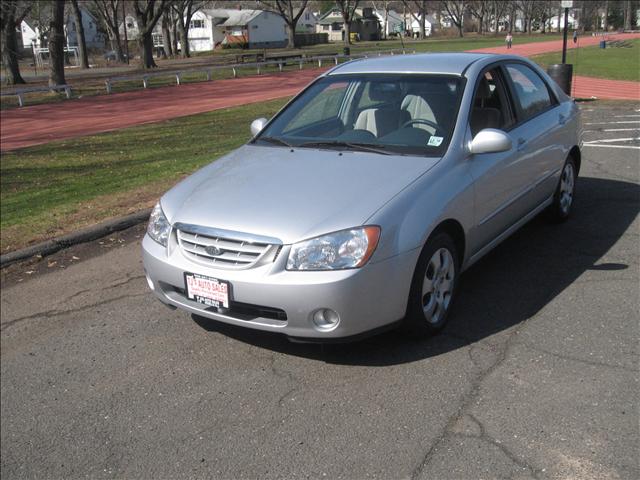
pixel 361 202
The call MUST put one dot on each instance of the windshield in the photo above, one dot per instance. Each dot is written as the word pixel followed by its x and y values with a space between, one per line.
pixel 384 113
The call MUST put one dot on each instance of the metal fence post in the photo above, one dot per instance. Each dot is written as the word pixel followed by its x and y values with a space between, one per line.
pixel 108 85
pixel 145 81
pixel 177 78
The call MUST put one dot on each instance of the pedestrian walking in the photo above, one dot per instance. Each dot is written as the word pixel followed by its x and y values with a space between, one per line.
pixel 509 40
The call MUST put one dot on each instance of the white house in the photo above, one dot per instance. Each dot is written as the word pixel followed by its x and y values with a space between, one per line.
pixel 307 22
pixel 553 21
pixel 430 25
pixel 257 28
pixel 133 31
pixel 92 36
pixel 390 22
pixel 30 34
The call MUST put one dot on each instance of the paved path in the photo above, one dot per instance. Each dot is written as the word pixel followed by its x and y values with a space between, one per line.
pixel 38 124
pixel 536 48
pixel 536 377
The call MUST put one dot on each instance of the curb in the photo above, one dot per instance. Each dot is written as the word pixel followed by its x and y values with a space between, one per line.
pixel 81 236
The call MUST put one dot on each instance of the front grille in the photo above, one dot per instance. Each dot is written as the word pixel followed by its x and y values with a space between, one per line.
pixel 223 251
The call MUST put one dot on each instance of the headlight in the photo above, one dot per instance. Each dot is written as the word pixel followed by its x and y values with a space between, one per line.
pixel 159 227
pixel 335 251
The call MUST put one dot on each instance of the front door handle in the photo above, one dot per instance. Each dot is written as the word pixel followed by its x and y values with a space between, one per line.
pixel 521 143
pixel 562 119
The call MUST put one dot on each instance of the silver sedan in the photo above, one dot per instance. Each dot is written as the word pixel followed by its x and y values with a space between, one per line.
pixel 361 202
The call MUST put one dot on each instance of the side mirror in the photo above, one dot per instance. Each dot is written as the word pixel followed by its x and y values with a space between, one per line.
pixel 490 140
pixel 257 125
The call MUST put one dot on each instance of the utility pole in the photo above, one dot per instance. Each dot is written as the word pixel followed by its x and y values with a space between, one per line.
pixel 566 5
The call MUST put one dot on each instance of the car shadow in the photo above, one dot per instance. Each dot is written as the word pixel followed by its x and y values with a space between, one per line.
pixel 507 287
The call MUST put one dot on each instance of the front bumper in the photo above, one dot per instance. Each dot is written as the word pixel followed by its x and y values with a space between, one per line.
pixel 273 299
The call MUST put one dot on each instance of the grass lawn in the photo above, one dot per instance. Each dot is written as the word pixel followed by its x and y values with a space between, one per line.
pixel 62 186
pixel 613 63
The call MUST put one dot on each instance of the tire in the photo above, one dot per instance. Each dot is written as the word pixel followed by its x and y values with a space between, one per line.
pixel 564 195
pixel 434 285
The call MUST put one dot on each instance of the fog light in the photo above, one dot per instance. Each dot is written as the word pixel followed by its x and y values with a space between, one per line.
pixel 150 283
pixel 325 319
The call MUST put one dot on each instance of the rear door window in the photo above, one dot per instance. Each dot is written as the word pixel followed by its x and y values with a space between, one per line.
pixel 531 93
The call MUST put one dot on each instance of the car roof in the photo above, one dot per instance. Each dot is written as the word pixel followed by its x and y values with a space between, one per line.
pixel 435 63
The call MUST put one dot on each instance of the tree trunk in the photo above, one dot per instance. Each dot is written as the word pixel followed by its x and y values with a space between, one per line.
pixel 605 22
pixel 56 45
pixel 627 15
pixel 184 39
pixel 145 41
pixel 347 33
pixel 291 31
pixel 10 54
pixel 82 44
pixel 166 37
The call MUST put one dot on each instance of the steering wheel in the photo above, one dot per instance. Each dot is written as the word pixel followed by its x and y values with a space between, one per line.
pixel 423 121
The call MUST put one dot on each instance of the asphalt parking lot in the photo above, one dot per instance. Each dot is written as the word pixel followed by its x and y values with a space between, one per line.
pixel 536 375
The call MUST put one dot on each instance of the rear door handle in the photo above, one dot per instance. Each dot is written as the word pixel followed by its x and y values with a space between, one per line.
pixel 521 143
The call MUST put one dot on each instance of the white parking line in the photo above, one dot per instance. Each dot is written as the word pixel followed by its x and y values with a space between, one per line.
pixel 614 140
pixel 615 130
pixel 630 147
pixel 608 123
pixel 621 116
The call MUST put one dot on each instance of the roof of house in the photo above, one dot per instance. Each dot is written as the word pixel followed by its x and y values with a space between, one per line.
pixel 232 17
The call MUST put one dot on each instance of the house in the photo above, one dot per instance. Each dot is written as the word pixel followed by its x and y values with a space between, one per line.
pixel 430 25
pixel 256 28
pixel 365 24
pixel 307 22
pixel 133 31
pixel 391 22
pixel 553 22
pixel 30 34
pixel 93 37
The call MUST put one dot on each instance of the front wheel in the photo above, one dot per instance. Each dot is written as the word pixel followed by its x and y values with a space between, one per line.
pixel 434 285
pixel 560 209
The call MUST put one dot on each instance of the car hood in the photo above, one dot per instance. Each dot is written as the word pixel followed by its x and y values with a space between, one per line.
pixel 290 194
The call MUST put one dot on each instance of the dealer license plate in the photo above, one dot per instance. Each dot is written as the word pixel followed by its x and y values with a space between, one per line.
pixel 207 290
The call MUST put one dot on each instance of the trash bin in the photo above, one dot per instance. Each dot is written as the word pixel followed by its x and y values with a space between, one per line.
pixel 346 51
pixel 603 44
pixel 562 74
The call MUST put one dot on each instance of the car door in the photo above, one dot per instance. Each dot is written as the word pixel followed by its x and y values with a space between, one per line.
pixel 500 179
pixel 537 133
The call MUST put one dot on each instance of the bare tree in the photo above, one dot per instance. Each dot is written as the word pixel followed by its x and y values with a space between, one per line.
pixel 455 9
pixel 107 12
pixel 184 10
pixel 499 10
pixel 479 9
pixel 82 44
pixel 13 13
pixel 166 21
pixel 147 15
pixel 348 10
pixel 420 7
pixel 290 12
pixel 56 45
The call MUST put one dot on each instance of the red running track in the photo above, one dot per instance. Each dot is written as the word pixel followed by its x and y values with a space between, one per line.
pixel 38 124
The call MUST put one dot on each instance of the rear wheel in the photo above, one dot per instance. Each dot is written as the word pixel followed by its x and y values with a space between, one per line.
pixel 560 209
pixel 434 286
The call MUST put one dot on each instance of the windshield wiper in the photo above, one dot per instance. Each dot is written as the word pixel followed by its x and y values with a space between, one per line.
pixel 276 140
pixel 364 147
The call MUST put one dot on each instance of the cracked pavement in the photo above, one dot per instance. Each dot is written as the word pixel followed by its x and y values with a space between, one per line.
pixel 535 377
